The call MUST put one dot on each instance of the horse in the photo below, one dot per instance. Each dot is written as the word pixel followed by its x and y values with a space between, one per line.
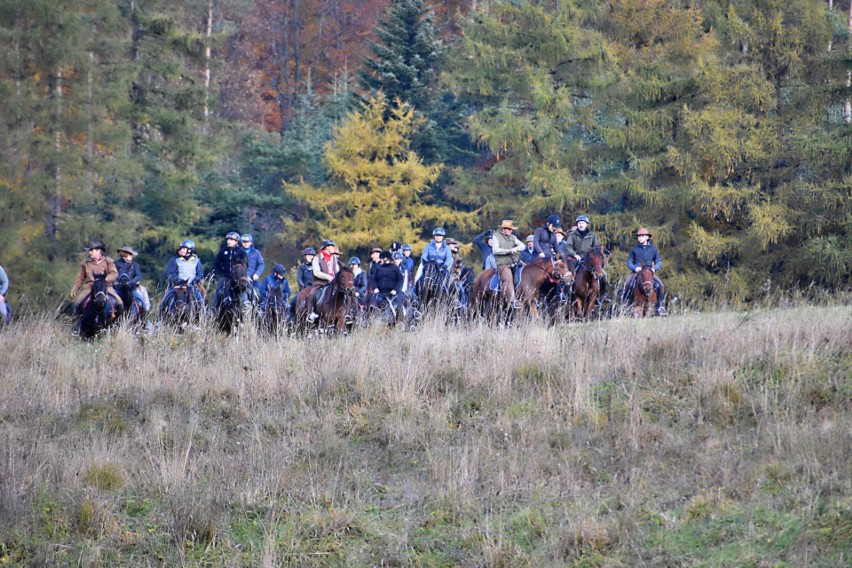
pixel 99 310
pixel 644 296
pixel 331 302
pixel 6 317
pixel 489 297
pixel 183 308
pixel 433 288
pixel 587 285
pixel 381 306
pixel 134 312
pixel 543 278
pixel 276 313
pixel 236 299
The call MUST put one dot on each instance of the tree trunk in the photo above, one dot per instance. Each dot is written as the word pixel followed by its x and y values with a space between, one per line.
pixel 56 198
pixel 207 63
pixel 847 108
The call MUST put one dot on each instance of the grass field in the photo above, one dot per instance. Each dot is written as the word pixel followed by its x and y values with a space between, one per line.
pixel 699 440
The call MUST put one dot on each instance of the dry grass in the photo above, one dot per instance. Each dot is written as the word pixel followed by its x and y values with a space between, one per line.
pixel 715 439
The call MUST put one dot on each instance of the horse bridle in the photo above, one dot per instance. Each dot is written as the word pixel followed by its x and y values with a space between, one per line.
pixel 553 275
pixel 648 285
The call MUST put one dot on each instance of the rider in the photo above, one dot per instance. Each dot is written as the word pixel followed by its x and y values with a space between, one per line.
pixel 255 262
pixel 96 265
pixel 436 251
pixel 360 278
pixel 305 275
pixel 559 247
pixel 544 238
pixel 130 275
pixel 389 279
pixel 4 287
pixel 325 267
pixel 278 279
pixel 645 254
pixel 580 241
pixel 184 269
pixel 506 248
pixel 528 255
pixel 461 272
pixel 229 255
pixel 483 242
pixel 407 266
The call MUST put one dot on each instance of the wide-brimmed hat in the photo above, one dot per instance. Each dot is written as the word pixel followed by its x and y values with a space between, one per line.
pixel 559 231
pixel 643 231
pixel 451 241
pixel 507 224
pixel 128 250
pixel 376 249
pixel 95 245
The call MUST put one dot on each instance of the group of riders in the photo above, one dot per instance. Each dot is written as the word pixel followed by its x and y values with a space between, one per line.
pixel 391 273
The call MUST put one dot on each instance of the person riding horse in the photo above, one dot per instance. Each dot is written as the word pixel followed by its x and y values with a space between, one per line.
pixel 436 251
pixel 580 241
pixel 276 280
pixel 5 310
pixel 255 264
pixel 325 267
pixel 506 248
pixel 184 269
pixel 361 280
pixel 388 280
pixel 95 266
pixel 544 238
pixel 229 255
pixel 130 279
pixel 644 254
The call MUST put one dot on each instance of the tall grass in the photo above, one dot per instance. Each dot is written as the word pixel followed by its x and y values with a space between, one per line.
pixel 708 439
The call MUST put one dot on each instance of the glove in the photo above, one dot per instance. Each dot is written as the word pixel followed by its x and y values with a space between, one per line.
pixel 73 294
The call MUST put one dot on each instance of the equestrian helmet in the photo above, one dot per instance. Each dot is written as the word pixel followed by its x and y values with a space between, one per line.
pixel 186 243
pixel 385 254
pixel 309 250
pixel 554 220
pixel 247 238
pixel 406 247
pixel 96 245
pixel 394 246
pixel 279 269
pixel 439 231
pixel 233 235
pixel 582 218
pixel 355 260
pixel 327 243
pixel 397 255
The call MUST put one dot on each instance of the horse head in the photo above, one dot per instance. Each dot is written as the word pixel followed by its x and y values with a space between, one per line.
pixel 646 277
pixel 562 273
pixel 345 281
pixel 239 278
pixel 99 293
pixel 594 261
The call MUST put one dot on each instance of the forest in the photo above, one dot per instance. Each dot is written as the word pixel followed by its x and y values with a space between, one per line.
pixel 724 126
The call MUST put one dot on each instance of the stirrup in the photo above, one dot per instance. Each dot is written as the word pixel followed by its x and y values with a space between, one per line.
pixel 312 317
pixel 661 311
pixel 516 304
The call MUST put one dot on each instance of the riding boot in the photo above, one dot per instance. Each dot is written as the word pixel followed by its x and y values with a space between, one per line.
pixel 661 293
pixel 77 328
pixel 604 297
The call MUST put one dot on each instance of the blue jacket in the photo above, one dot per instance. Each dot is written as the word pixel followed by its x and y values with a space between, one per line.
pixel 646 255
pixel 131 269
pixel 271 282
pixel 388 277
pixel 544 242
pixel 173 273
pixel 255 263
pixel 481 242
pixel 433 254
pixel 4 282
pixel 361 284
pixel 528 256
pixel 225 259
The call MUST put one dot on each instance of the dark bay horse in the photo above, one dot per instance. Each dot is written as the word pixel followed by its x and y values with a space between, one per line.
pixel 276 312
pixel 183 308
pixel 644 297
pixel 381 307
pixel 587 285
pixel 331 302
pixel 542 278
pixel 134 311
pixel 99 311
pixel 235 300
pixel 433 289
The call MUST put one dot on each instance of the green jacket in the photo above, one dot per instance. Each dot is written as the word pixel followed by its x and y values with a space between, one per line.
pixel 577 244
pixel 506 250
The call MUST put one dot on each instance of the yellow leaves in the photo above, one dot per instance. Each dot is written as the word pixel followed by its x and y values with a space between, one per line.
pixel 711 247
pixel 769 222
pixel 29 232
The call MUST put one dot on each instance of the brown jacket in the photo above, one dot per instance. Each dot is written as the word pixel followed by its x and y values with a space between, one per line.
pixel 86 278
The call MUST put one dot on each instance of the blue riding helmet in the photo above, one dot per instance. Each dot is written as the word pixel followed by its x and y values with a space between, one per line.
pixel 279 269
pixel 406 247
pixel 187 244
pixel 582 218
pixel 327 243
pixel 355 260
pixel 397 255
pixel 554 220
pixel 233 235
pixel 247 238
pixel 439 231
pixel 309 250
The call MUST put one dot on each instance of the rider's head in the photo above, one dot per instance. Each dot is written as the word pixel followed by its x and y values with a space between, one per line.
pixel 232 238
pixel 406 250
pixel 643 235
pixel 309 253
pixel 374 254
pixel 553 222
pixel 507 226
pixel 96 250
pixel 438 234
pixel 582 222
pixel 454 245
pixel 560 234
pixel 127 253
pixel 530 240
pixel 328 246
pixel 385 256
pixel 186 248
pixel 397 257
pixel 279 271
pixel 246 240
pixel 354 261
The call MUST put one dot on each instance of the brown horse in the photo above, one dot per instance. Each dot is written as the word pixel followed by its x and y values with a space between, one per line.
pixel 540 278
pixel 331 302
pixel 486 301
pixel 587 285
pixel 644 294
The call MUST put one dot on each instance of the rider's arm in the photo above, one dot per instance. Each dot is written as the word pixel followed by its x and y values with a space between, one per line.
pixel 537 241
pixel 111 273
pixel 4 282
pixel 631 260
pixel 199 273
pixel 261 265
pixel 81 277
pixel 569 245
pixel 285 289
pixel 658 262
pixel 136 279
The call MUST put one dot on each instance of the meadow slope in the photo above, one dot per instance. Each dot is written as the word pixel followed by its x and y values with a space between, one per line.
pixel 702 440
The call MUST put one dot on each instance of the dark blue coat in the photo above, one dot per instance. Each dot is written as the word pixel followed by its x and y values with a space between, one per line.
pixel 255 262
pixel 361 284
pixel 388 277
pixel 480 241
pixel 226 258
pixel 544 242
pixel 528 256
pixel 271 282
pixel 173 272
pixel 304 276
pixel 646 255
pixel 131 269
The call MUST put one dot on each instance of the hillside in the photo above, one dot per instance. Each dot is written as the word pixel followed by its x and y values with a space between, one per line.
pixel 700 440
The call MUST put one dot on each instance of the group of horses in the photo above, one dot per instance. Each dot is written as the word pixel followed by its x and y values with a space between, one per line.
pixel 558 288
